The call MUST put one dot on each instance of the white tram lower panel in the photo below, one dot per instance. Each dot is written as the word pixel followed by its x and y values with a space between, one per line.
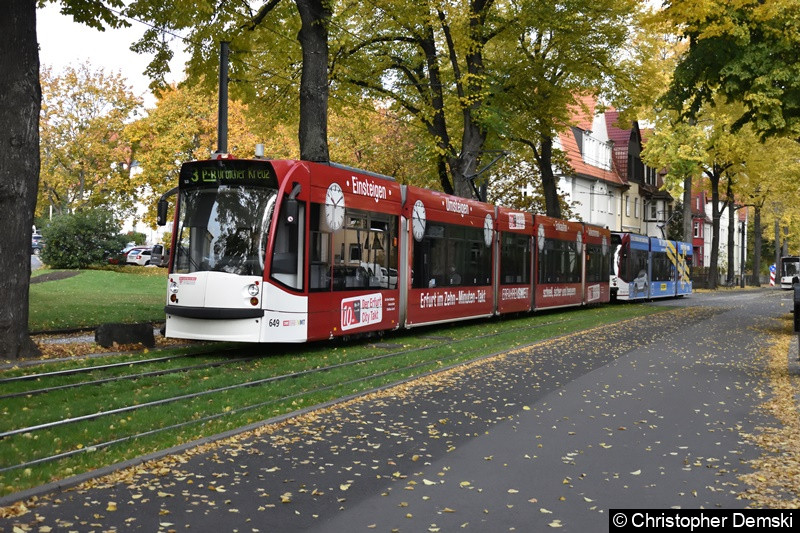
pixel 233 330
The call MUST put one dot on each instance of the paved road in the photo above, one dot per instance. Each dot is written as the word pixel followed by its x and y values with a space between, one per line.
pixel 647 414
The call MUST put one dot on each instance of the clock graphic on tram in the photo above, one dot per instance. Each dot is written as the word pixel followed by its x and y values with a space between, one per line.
pixel 488 230
pixel 418 220
pixel 334 207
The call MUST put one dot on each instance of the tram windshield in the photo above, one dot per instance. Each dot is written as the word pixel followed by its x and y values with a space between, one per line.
pixel 224 229
pixel 791 266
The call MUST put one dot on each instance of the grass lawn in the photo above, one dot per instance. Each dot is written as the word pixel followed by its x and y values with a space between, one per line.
pixel 92 297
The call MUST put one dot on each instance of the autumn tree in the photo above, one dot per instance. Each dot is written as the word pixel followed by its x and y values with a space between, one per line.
pixel 517 183
pixel 743 51
pixel 558 54
pixel 183 127
pixel 431 60
pixel 709 148
pixel 678 147
pixel 375 137
pixel 85 159
pixel 279 49
pixel 20 104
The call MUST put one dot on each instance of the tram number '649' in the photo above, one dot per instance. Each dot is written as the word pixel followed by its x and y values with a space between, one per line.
pixel 274 322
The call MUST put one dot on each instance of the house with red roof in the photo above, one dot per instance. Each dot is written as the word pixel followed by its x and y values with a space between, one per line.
pixel 594 187
pixel 609 184
pixel 646 207
pixel 701 228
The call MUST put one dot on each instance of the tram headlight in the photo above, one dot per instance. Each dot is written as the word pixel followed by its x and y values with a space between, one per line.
pixel 253 290
pixel 173 287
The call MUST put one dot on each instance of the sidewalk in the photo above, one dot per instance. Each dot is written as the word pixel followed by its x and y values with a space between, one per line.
pixel 647 414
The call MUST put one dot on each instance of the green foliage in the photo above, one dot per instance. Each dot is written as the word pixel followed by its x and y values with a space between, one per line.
pixel 80 240
pixel 674 229
pixel 745 50
pixel 94 13
pixel 136 237
pixel 183 127
pixel 85 161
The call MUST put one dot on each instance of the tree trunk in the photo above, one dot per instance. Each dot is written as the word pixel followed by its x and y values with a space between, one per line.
pixel 549 183
pixel 688 230
pixel 20 103
pixel 713 267
pixel 313 132
pixel 757 243
pixel 731 242
pixel 785 245
pixel 437 125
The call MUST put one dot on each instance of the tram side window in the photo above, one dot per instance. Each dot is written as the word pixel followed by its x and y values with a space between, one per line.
pixel 319 249
pixel 559 263
pixel 596 264
pixel 287 256
pixel 361 255
pixel 451 256
pixel 635 265
pixel 515 259
pixel 662 267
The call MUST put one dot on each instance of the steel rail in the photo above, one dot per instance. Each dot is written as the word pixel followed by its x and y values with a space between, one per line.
pixel 87 369
pixel 132 377
pixel 209 418
pixel 247 384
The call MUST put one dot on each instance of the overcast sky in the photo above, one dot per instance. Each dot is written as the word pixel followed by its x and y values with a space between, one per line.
pixel 64 42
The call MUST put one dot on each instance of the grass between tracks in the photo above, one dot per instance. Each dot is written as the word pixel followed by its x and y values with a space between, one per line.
pixel 462 342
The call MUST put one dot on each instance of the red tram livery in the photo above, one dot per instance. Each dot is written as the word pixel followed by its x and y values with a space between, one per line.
pixel 292 251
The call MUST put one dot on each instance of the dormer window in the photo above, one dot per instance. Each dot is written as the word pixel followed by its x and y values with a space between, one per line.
pixel 596 152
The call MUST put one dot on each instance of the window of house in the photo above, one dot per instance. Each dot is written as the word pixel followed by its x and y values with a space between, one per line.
pixel 636 207
pixel 697 230
pixel 650 175
pixel 627 206
pixel 654 211
pixel 596 152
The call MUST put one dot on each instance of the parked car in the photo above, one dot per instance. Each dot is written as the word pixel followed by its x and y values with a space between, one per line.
pixel 37 244
pixel 139 256
pixel 121 257
pixel 159 256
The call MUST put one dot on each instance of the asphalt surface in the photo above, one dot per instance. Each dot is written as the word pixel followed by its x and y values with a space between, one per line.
pixel 647 414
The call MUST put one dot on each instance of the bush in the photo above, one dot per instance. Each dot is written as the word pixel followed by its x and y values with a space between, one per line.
pixel 80 240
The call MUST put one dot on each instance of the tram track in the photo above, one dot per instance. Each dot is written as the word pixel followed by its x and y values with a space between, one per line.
pixel 131 377
pixel 363 361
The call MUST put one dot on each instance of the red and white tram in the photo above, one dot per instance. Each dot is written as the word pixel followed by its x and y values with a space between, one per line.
pixel 292 251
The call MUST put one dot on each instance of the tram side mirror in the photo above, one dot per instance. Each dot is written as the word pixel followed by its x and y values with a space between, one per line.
pixel 290 211
pixel 161 216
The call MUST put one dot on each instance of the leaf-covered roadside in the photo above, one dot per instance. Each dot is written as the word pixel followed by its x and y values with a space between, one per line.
pixel 775 480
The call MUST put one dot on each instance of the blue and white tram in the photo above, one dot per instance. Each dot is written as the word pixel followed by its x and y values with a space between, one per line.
pixel 630 273
pixel 684 257
pixel 644 268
